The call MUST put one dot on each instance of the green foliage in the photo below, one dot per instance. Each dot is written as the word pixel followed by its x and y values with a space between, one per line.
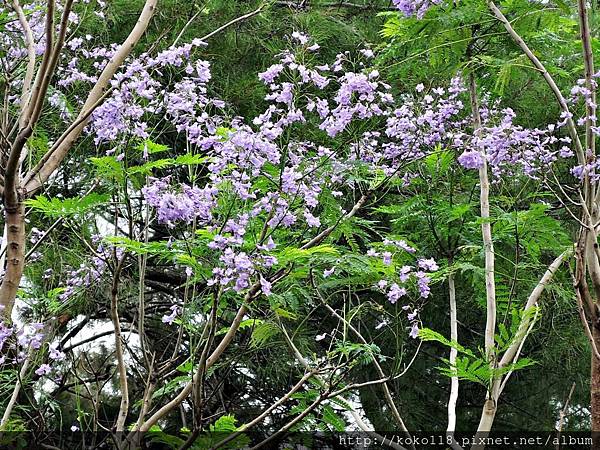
pixel 477 369
pixel 302 256
pixel 263 334
pixel 108 167
pixel 67 207
pixel 221 429
pixel 427 335
pixel 357 354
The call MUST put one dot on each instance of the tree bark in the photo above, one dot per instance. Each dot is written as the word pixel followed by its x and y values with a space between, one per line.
pixel 50 162
pixel 15 257
pixel 453 353
pixel 14 190
pixel 488 414
pixel 595 389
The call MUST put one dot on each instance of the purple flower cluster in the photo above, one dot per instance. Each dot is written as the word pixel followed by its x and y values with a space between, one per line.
pixel 87 274
pixel 188 204
pixel 413 317
pixel 471 159
pixel 580 94
pixel 13 47
pixel 140 93
pixel 415 7
pixel 30 335
pixel 27 337
pixel 396 289
pixel 269 172
pixel 170 318
pixel 237 269
pixel 509 148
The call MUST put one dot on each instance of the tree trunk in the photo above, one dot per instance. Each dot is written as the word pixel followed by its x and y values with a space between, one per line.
pixel 453 353
pixel 15 257
pixel 595 389
pixel 485 422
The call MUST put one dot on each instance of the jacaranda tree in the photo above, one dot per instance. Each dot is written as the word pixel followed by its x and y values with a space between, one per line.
pixel 239 264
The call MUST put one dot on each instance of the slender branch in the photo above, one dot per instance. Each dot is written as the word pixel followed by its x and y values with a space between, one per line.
pixel 386 390
pixel 38 102
pixel 453 354
pixel 16 390
pixel 186 26
pixel 69 348
pixel 27 112
pixel 549 80
pixel 363 426
pixel 489 407
pixel 504 381
pixel 292 422
pixel 252 293
pixel 30 44
pixel 168 407
pixel 302 360
pixel 121 368
pixel 267 411
pixel 326 232
pixel 486 230
pixel 562 415
pixel 81 119
pixel 509 356
pixel 588 61
pixel 38 176
pixel 232 22
pixel 512 353
pixel 586 326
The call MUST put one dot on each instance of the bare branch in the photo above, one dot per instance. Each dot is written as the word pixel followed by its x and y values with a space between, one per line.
pixel 40 173
pixel 30 45
pixel 549 80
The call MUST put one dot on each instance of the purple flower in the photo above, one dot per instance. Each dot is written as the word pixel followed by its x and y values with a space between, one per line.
pixel 191 203
pixel 566 152
pixel 169 319
pixel 31 335
pixel 54 353
pixel 311 220
pixel 395 293
pixel 265 286
pixel 471 159
pixel 423 284
pixel 428 264
pixel 300 37
pixel 44 369
pixel 367 53
pixel 270 245
pixel 269 75
pixel 404 273
pixel 387 258
pixel 415 7
pixel 414 331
